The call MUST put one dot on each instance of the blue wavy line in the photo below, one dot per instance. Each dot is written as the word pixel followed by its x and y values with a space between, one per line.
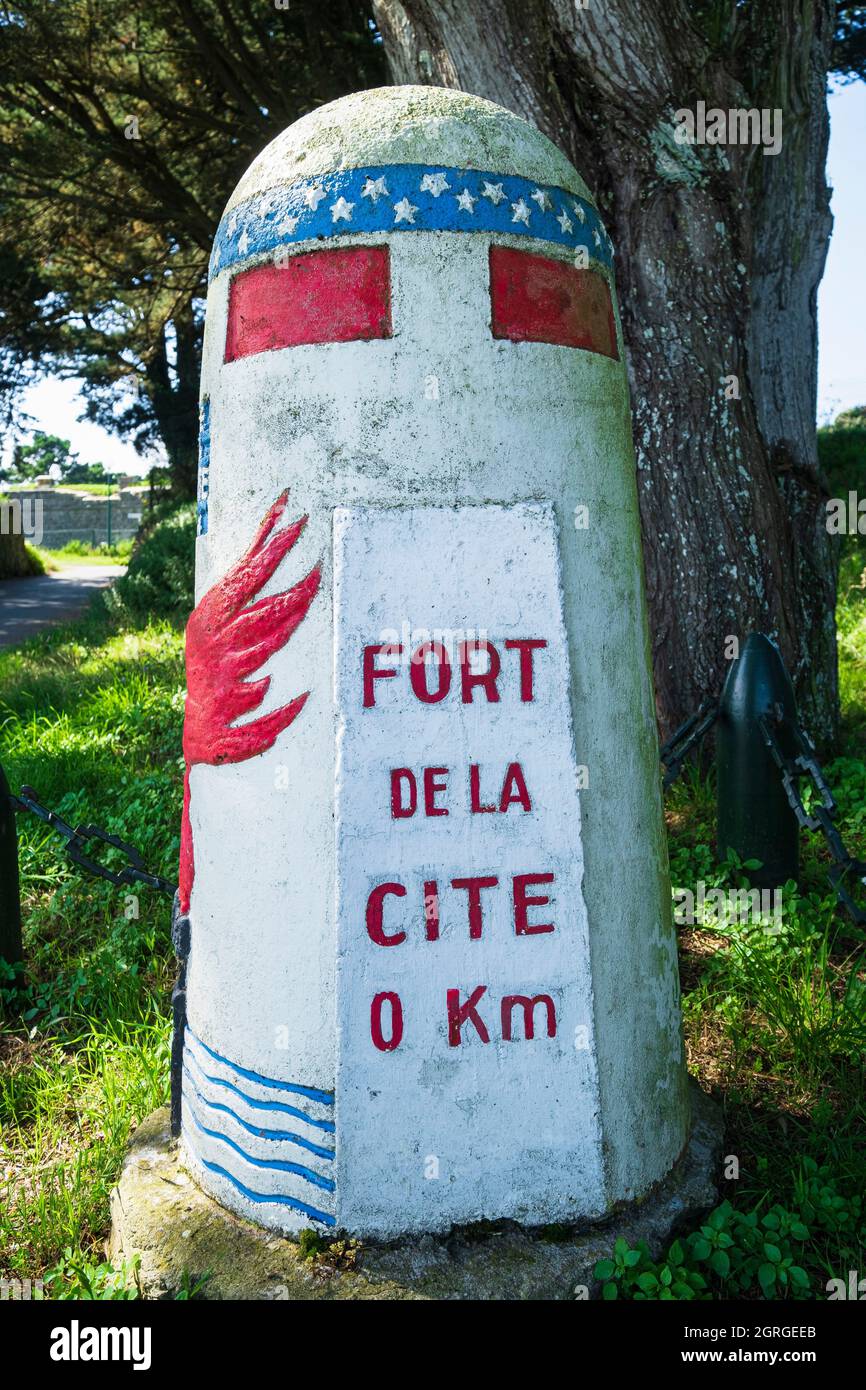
pixel 261 1197
pixel 309 1092
pixel 276 1164
pixel 284 1134
pixel 326 1125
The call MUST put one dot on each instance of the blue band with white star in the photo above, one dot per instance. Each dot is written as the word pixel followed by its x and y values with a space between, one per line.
pixel 407 198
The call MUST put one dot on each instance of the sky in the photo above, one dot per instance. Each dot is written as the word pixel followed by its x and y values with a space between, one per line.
pixel 842 292
pixel 55 404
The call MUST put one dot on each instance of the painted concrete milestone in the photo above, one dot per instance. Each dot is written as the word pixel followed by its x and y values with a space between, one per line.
pixel 416 421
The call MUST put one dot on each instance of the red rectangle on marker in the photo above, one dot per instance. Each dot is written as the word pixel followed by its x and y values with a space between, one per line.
pixel 332 296
pixel 538 300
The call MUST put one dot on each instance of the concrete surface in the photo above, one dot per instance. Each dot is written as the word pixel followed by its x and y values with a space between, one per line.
pixel 29 605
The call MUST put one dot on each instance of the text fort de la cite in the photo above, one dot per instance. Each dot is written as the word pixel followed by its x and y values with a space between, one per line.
pixel 431 677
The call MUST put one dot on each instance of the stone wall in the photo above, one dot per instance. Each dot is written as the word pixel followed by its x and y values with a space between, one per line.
pixel 67 516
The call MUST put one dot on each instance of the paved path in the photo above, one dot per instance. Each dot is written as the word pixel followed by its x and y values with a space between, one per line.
pixel 27 605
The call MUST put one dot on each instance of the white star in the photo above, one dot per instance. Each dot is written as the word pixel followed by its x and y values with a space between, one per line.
pixel 465 201
pixel 596 238
pixel 565 221
pixel 435 184
pixel 243 242
pixel 404 211
pixel 581 215
pixel 539 196
pixel 215 258
pixel 493 191
pixel 521 212
pixel 313 196
pixel 287 226
pixel 233 222
pixel 341 210
pixel 375 188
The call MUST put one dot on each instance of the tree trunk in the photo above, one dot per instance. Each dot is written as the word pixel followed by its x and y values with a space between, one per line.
pixel 174 398
pixel 15 563
pixel 719 251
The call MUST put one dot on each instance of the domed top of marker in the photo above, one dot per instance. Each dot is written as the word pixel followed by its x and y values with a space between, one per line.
pixel 399 159
pixel 409 125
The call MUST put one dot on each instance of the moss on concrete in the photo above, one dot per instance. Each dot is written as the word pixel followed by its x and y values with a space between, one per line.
pixel 181 1234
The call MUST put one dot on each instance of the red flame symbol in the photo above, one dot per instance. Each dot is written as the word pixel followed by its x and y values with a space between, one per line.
pixel 225 642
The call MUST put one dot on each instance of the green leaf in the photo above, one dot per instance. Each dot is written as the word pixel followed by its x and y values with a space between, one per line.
pixel 632 1258
pixel 773 1253
pixel 701 1248
pixel 720 1264
pixel 604 1269
pixel 648 1282
pixel 676 1253
pixel 609 1292
pixel 799 1277
pixel 767 1279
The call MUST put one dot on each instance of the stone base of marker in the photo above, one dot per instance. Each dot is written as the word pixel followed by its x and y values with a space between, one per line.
pixel 181 1235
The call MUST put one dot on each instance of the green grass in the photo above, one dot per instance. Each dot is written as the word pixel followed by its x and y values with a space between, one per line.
pixel 775 1025
pixel 82 552
pixel 90 715
pixel 93 489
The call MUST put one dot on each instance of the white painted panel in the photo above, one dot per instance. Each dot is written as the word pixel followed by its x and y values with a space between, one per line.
pixel 433 1132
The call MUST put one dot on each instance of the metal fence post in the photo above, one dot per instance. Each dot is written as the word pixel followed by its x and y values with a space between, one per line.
pixel 11 949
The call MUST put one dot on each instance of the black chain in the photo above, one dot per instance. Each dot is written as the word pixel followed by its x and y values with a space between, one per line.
pixel 78 839
pixel 684 739
pixel 806 764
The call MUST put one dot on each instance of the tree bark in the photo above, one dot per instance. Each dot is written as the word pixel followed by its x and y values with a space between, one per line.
pixel 15 563
pixel 719 251
pixel 174 399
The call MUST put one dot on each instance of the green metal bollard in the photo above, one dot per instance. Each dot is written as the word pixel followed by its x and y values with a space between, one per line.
pixel 754 817
pixel 11 949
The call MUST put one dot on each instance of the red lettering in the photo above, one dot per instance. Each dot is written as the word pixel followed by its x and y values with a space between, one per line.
pixel 475 791
pixel 514 788
pixel 418 672
pixel 431 787
pixel 473 887
pixel 375 906
pixel 398 776
pixel 512 1001
pixel 431 910
pixel 458 1014
pixel 379 1040
pixel 371 674
pixel 487 679
pixel 523 901
pixel 526 646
